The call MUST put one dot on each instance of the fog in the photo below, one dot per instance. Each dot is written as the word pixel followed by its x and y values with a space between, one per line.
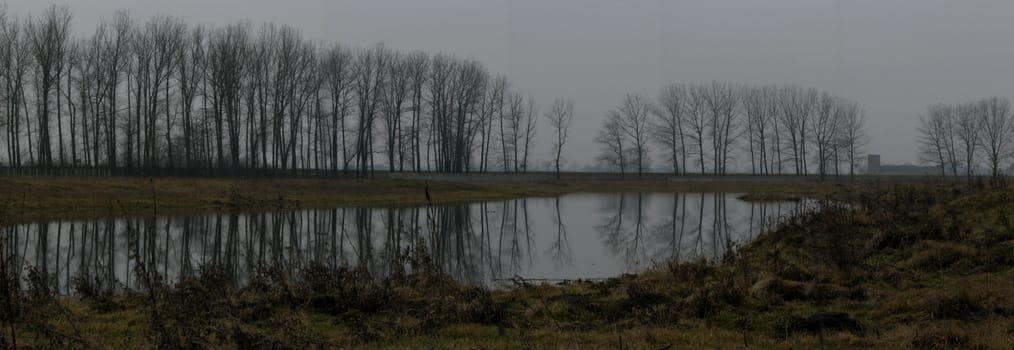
pixel 894 57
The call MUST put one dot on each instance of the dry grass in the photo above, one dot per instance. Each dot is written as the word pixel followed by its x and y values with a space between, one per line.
pixel 39 198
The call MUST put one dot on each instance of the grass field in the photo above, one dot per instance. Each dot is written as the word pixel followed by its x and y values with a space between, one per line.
pixel 37 198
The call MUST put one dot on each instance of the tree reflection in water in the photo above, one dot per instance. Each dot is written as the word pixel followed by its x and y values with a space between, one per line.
pixel 691 225
pixel 578 236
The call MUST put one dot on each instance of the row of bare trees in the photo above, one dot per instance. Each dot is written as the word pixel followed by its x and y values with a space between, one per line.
pixel 959 138
pixel 704 127
pixel 162 97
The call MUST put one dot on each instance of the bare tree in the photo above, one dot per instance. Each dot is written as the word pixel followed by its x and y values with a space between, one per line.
pixel 852 136
pixel 227 53
pixel 950 141
pixel 189 71
pixel 942 117
pixel 48 43
pixel 88 94
pixel 155 52
pixel 669 125
pixel 456 90
pixel 417 67
pixel 774 109
pixel 560 115
pixel 492 114
pixel 697 121
pixel 511 135
pixel 338 81
pixel 760 106
pixel 797 105
pixel 530 127
pixel 442 71
pixel 74 65
pixel 114 48
pixel 633 122
pixel 931 140
pixel 304 106
pixel 824 128
pixel 722 102
pixel 15 59
pixel 612 139
pixel 368 78
pixel 395 91
pixel 967 129
pixel 997 125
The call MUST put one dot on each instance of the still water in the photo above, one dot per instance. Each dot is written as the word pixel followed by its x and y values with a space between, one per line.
pixel 595 235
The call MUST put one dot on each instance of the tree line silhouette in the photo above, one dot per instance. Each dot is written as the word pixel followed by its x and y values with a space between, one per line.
pixel 958 138
pixel 163 97
pixel 704 126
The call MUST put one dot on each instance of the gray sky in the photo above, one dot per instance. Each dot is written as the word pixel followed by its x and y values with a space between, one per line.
pixel 893 57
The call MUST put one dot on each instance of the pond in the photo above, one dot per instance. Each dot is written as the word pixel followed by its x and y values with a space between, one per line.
pixel 574 236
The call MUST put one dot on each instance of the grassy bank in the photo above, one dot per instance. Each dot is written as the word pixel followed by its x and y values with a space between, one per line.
pixel 37 198
pixel 895 267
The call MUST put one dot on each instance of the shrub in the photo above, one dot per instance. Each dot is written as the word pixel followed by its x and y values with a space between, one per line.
pixel 940 336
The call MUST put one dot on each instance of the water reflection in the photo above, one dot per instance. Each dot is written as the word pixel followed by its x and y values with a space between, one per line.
pixel 573 236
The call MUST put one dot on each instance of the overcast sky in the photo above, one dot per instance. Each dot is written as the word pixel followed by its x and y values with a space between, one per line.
pixel 893 57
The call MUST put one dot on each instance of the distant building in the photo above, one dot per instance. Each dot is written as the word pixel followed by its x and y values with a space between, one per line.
pixel 874 167
pixel 873 163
